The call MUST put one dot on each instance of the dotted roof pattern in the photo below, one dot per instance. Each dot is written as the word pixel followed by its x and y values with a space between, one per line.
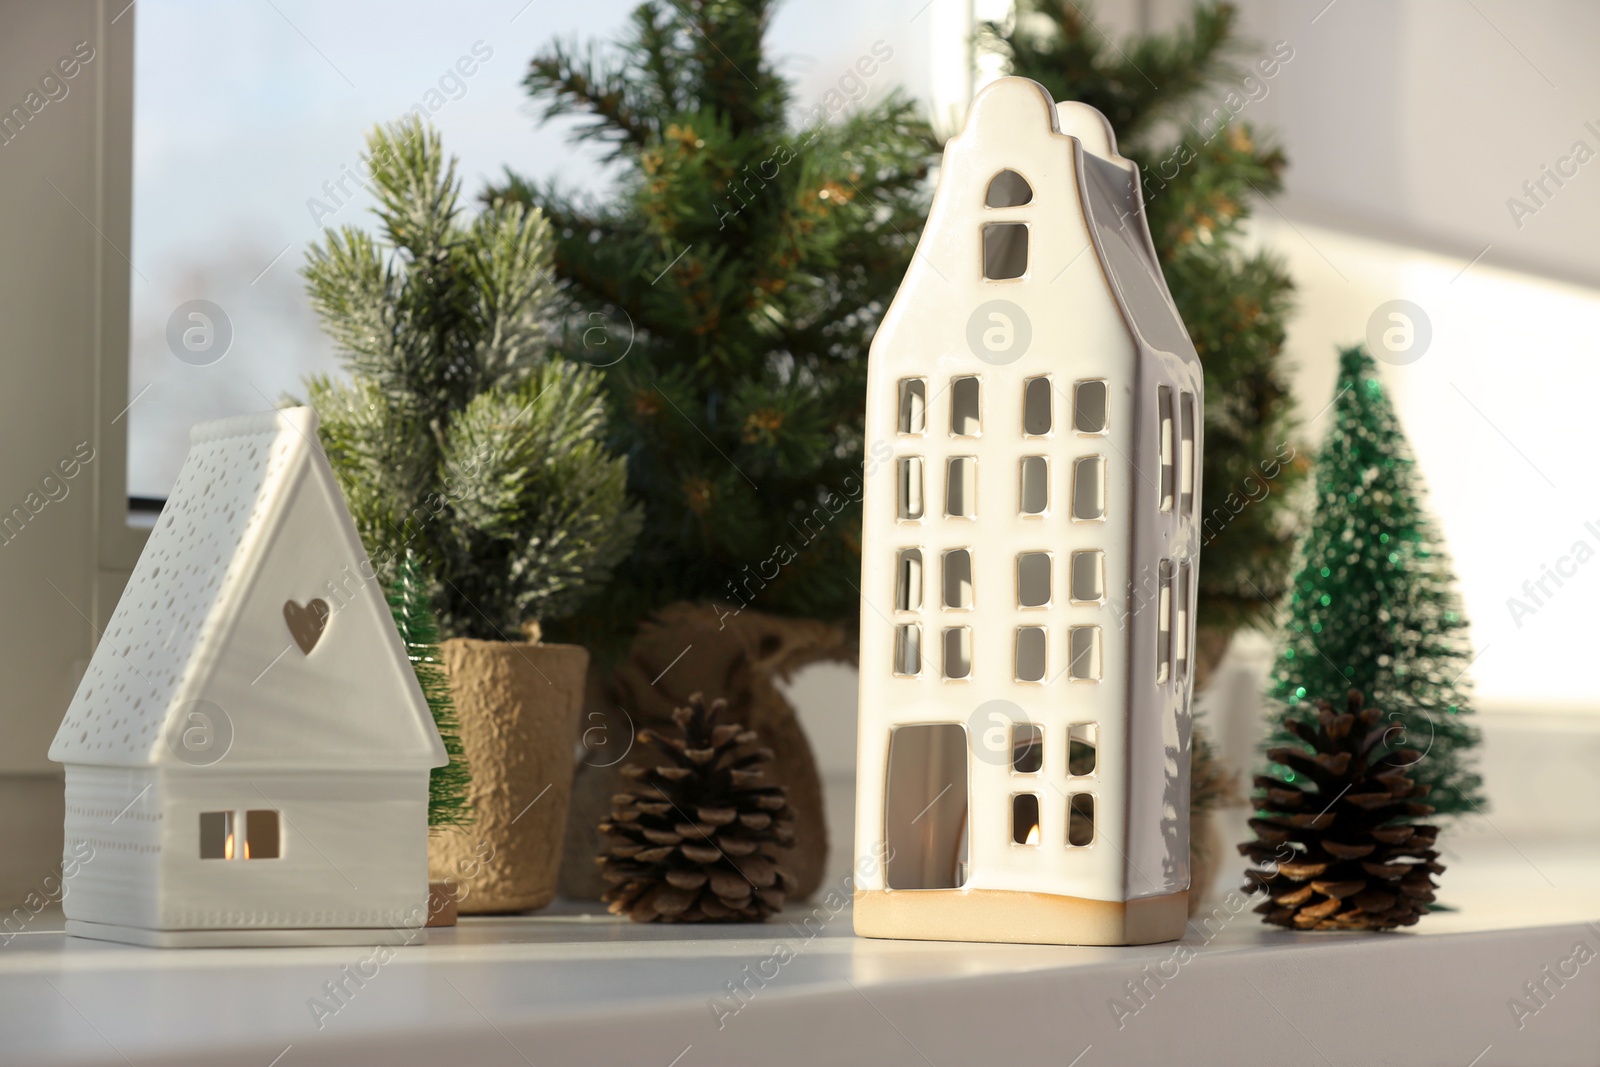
pixel 169 614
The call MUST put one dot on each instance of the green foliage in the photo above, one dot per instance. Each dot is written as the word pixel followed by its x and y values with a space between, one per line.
pixel 458 436
pixel 1373 605
pixel 419 632
pixel 1163 94
pixel 747 256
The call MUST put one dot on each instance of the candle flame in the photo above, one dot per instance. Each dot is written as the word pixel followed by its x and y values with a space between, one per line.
pixel 227 847
pixel 1033 835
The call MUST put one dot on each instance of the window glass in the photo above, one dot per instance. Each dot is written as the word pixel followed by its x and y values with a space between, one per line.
pixel 248 127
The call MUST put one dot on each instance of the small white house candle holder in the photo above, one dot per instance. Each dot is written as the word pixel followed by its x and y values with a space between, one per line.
pixel 1028 555
pixel 247 757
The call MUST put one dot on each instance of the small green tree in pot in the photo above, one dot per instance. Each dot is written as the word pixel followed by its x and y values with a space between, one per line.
pixel 460 438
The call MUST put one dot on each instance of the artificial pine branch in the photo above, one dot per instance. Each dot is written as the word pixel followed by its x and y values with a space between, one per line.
pixel 419 633
pixel 457 436
pixel 746 258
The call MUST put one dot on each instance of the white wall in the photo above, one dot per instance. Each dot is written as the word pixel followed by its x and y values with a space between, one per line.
pixel 1498 412
pixel 1416 120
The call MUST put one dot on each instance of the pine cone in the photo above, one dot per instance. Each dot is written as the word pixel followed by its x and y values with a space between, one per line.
pixel 699 840
pixel 1352 862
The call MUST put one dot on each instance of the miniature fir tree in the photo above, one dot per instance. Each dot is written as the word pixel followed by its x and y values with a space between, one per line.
pixel 1170 99
pixel 1373 604
pixel 457 436
pixel 747 253
pixel 419 632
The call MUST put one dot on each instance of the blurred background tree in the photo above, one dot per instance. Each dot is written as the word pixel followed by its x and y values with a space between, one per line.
pixel 1167 97
pixel 741 262
pixel 411 605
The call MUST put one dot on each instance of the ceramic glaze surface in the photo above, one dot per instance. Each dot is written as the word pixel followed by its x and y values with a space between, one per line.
pixel 250 691
pixel 255 519
pixel 1057 542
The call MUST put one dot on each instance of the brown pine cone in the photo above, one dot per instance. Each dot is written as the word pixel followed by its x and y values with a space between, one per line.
pixel 698 840
pixel 1336 842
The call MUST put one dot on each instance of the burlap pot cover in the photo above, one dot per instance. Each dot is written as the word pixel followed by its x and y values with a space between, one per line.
pixel 519 706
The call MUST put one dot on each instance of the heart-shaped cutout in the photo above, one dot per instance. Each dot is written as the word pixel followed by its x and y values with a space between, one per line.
pixel 306 622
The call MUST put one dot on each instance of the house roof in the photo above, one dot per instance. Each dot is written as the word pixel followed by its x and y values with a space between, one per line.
pixel 1114 206
pixel 255 496
pixel 1071 157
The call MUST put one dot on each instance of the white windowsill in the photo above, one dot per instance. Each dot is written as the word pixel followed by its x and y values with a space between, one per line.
pixel 581 988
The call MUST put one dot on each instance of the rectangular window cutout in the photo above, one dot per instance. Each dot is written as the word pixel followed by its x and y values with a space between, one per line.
pixel 908 473
pixel 1080 820
pixel 1032 657
pixel 961 488
pixel 1005 250
pixel 1164 623
pixel 1033 580
pixel 965 411
pixel 1088 576
pixel 216 835
pixel 262 840
pixel 1082 740
pixel 1027 748
pixel 958 579
pixel 1025 818
pixel 1180 626
pixel 1186 457
pixel 1035 491
pixel 1083 653
pixel 925 808
pixel 1089 402
pixel 913 405
pixel 958 653
pixel 1036 403
pixel 1089 489
pixel 908 580
pixel 1165 444
pixel 908 649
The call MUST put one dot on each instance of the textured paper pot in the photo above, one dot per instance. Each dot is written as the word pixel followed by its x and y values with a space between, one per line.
pixel 519 707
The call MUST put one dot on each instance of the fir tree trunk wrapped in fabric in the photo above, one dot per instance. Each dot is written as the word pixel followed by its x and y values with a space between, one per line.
pixel 1374 606
pixel 465 445
pixel 742 263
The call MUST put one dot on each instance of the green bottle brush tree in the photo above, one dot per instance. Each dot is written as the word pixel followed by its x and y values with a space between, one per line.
pixel 1373 604
pixel 419 632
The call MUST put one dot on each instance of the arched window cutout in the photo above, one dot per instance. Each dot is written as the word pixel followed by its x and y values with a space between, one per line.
pixel 1008 189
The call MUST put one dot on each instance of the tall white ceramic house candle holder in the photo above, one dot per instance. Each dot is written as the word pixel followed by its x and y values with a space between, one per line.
pixel 247 757
pixel 1028 556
